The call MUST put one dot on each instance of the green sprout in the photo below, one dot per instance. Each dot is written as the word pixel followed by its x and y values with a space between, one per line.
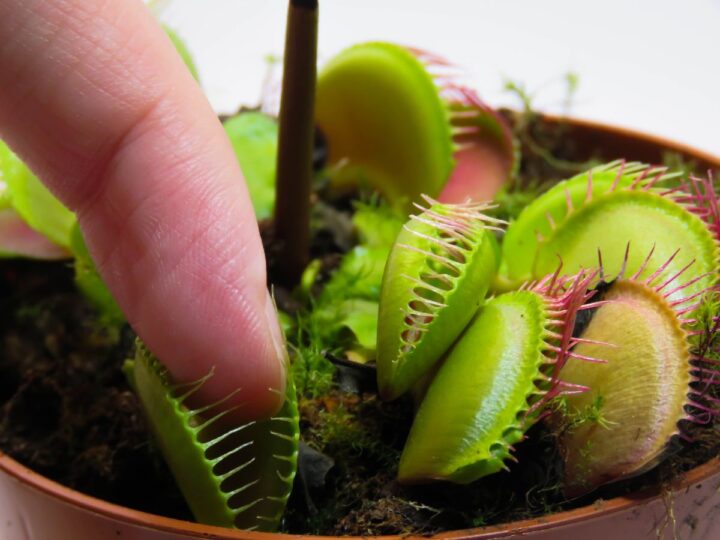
pixel 572 418
pixel 346 311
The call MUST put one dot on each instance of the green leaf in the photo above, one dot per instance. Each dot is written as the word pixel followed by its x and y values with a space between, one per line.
pixel 377 225
pixel 31 200
pixel 254 139
pixel 359 275
pixel 349 300
pixel 360 317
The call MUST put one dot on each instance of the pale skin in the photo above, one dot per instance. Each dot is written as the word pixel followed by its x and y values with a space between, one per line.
pixel 94 98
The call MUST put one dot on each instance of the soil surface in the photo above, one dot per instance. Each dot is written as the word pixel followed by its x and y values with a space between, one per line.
pixel 67 411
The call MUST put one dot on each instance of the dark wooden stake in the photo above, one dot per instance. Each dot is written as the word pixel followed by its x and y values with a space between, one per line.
pixel 295 144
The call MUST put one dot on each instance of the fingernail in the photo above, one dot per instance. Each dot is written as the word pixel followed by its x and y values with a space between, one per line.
pixel 277 336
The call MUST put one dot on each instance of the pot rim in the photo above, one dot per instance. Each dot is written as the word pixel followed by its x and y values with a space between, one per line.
pixel 50 488
pixel 703 156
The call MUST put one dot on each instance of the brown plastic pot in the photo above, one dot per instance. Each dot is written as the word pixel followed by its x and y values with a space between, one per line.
pixel 33 507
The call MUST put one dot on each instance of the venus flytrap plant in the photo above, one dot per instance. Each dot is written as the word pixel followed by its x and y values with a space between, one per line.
pixel 239 476
pixel 396 119
pixel 649 387
pixel 482 371
pixel 435 278
pixel 605 209
pixel 496 382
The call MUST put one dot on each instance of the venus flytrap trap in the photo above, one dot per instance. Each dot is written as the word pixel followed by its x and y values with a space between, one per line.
pixel 522 238
pixel 496 382
pixel 239 476
pixel 653 381
pixel 396 119
pixel 435 278
pixel 606 209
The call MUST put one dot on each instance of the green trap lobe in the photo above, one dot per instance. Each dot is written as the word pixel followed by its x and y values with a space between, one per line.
pixel 231 477
pixel 385 121
pixel 643 389
pixel 475 407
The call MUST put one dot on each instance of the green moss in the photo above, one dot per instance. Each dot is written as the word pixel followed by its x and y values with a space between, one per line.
pixel 591 414
pixel 311 371
pixel 706 324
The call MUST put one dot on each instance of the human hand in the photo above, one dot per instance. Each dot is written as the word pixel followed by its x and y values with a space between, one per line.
pixel 94 98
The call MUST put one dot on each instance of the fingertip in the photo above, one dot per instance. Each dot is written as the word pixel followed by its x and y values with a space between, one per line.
pixel 276 364
pixel 258 374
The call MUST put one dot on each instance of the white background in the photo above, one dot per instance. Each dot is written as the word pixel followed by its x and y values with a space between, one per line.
pixel 652 65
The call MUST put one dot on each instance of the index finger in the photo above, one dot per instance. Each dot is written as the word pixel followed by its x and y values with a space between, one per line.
pixel 95 99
